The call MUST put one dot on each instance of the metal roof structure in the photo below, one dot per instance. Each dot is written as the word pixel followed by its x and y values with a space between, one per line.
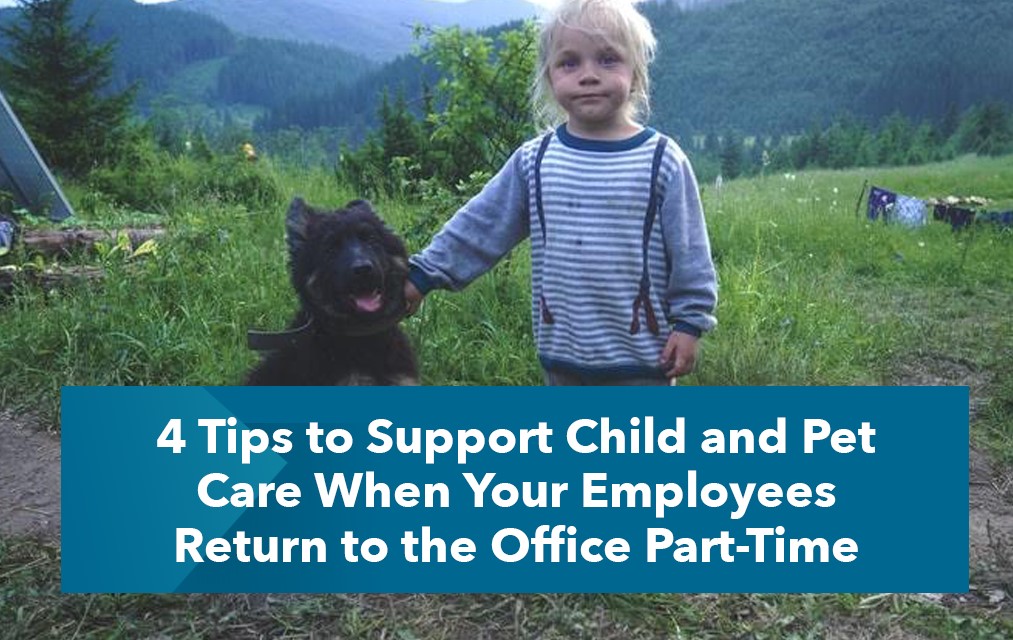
pixel 24 173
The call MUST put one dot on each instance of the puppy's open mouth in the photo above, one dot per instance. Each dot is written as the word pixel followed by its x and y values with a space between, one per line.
pixel 368 302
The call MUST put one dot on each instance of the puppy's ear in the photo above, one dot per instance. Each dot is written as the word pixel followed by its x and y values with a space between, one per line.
pixel 296 224
pixel 360 205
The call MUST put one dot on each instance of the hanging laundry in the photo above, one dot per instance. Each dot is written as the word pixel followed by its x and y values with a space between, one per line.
pixel 8 230
pixel 1002 219
pixel 881 202
pixel 910 212
pixel 958 217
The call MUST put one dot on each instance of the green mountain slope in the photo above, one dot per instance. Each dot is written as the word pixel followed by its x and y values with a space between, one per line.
pixel 783 65
pixel 376 30
pixel 199 61
pixel 754 66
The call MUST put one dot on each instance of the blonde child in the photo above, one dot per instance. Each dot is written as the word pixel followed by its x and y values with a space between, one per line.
pixel 622 278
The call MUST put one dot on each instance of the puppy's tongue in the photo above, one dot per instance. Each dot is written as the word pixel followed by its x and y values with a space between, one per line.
pixel 369 303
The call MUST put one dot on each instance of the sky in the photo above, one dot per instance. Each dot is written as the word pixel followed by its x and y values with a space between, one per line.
pixel 11 3
pixel 544 3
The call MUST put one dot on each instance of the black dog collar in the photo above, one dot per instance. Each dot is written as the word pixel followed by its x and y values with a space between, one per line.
pixel 275 340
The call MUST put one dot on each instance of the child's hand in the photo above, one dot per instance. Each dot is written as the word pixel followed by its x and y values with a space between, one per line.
pixel 412 298
pixel 679 355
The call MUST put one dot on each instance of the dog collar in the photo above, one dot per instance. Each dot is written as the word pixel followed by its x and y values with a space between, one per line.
pixel 275 340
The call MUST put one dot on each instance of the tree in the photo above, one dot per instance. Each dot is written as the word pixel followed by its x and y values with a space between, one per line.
pixel 986 130
pixel 55 79
pixel 484 110
pixel 895 138
pixel 400 131
pixel 731 156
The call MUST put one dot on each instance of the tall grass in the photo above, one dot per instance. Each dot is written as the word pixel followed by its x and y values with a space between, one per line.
pixel 810 294
pixel 798 274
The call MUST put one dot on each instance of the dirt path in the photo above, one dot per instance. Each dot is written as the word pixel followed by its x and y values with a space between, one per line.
pixel 990 491
pixel 29 478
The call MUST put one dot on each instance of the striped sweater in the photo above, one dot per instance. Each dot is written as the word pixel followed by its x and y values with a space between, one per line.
pixel 587 264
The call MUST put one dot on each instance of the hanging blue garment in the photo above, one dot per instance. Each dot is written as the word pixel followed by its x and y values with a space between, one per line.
pixel 909 212
pixel 881 203
pixel 7 230
pixel 1002 219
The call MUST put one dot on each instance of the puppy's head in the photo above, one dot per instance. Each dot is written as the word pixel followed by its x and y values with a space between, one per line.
pixel 347 266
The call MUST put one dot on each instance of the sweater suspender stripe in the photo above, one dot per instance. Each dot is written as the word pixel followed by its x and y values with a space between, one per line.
pixel 538 180
pixel 542 303
pixel 643 298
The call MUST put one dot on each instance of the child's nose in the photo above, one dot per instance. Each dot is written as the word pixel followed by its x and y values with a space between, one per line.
pixel 588 74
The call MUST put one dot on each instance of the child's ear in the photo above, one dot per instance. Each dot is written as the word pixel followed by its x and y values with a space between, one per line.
pixel 297 222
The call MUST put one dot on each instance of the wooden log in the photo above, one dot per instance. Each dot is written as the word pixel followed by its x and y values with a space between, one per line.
pixel 68 241
pixel 49 278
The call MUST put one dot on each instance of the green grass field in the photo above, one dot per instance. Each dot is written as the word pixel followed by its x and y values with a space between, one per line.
pixel 810 294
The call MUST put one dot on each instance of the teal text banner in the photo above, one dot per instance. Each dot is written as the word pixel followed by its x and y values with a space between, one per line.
pixel 515 489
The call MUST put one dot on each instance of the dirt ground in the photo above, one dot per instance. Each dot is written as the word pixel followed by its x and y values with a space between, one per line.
pixel 30 489
pixel 29 478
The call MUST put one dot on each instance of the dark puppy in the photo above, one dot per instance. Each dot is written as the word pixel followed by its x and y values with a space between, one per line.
pixel 349 271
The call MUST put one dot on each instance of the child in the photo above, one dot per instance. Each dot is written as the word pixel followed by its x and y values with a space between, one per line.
pixel 622 278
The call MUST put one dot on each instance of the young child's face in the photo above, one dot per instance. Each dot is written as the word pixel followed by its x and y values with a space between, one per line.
pixel 591 79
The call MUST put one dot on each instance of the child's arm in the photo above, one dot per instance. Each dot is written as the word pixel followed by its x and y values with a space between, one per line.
pixel 691 291
pixel 478 235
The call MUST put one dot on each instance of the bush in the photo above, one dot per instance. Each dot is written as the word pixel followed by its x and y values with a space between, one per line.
pixel 152 180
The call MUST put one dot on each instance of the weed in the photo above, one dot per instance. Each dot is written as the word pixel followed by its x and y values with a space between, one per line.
pixel 810 294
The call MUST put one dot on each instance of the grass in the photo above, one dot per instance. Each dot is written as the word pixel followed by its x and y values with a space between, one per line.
pixel 811 294
pixel 33 607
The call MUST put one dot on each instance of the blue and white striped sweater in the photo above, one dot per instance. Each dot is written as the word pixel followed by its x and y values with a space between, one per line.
pixel 588 267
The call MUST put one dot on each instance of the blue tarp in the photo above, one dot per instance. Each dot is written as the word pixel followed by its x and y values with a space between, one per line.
pixel 24 173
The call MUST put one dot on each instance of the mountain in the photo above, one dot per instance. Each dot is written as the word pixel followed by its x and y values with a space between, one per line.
pixel 786 65
pixel 378 30
pixel 752 66
pixel 192 60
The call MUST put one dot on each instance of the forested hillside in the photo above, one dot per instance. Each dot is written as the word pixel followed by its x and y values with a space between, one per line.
pixel 272 73
pixel 783 65
pixel 159 48
pixel 377 30
pixel 759 67
pixel 768 67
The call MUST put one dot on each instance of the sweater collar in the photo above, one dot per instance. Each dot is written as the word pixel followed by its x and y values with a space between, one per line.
pixel 585 144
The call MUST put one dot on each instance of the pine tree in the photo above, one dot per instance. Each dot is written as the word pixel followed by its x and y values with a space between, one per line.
pixel 400 132
pixel 986 130
pixel 54 78
pixel 731 156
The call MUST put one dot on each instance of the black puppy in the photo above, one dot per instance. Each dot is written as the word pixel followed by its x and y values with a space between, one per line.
pixel 349 270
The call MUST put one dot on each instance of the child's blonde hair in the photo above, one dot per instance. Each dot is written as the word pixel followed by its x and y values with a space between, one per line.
pixel 619 22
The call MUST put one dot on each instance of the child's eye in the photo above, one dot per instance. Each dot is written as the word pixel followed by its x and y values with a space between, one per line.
pixel 609 60
pixel 567 63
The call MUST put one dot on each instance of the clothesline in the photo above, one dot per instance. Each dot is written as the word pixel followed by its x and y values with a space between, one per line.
pixel 909 211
